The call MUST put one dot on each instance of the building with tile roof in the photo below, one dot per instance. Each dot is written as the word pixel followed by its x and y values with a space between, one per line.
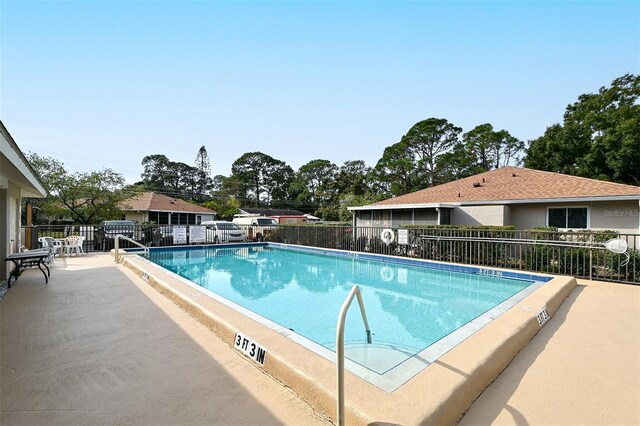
pixel 524 198
pixel 164 210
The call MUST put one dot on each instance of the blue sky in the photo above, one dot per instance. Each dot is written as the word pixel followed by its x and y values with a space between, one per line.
pixel 102 84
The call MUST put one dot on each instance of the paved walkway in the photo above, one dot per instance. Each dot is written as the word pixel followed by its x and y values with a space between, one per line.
pixel 98 346
pixel 583 368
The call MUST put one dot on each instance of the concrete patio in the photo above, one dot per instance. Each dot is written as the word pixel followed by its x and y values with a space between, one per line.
pixel 97 345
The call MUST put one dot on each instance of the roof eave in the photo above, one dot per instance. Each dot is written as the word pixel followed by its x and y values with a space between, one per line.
pixel 498 202
pixel 17 158
pixel 403 206
pixel 555 200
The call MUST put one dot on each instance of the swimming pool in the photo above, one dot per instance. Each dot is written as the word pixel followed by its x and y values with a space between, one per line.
pixel 417 310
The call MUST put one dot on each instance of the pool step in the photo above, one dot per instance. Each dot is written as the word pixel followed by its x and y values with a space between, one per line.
pixel 377 357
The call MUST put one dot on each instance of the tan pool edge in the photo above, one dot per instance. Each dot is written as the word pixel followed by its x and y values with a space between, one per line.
pixel 440 394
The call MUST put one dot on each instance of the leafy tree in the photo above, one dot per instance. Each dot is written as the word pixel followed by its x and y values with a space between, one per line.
pixel 87 197
pixel 415 162
pixel 458 163
pixel 316 178
pixel 350 200
pixel 397 169
pixel 158 173
pixel 278 180
pixel 352 178
pixel 493 149
pixel 178 179
pixel 599 137
pixel 263 178
pixel 225 207
pixel 426 141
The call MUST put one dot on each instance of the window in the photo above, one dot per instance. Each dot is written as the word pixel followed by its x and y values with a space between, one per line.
pixel 445 216
pixel 568 217
pixel 160 218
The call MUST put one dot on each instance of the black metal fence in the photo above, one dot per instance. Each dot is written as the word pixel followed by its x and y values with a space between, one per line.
pixel 580 254
pixel 98 238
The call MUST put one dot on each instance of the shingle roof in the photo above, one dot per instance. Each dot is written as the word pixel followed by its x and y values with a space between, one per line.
pixel 150 201
pixel 514 183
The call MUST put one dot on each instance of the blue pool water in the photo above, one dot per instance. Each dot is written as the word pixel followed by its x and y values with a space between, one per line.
pixel 409 307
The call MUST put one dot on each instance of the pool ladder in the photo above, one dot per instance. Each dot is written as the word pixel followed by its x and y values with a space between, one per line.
pixel 131 240
pixel 355 292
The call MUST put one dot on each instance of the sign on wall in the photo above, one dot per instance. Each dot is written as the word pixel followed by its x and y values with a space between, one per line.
pixel 543 316
pixel 179 235
pixel 250 348
pixel 197 234
pixel 403 236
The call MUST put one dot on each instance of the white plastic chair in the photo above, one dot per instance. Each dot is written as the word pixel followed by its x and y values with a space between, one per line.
pixel 47 243
pixel 74 244
pixel 58 245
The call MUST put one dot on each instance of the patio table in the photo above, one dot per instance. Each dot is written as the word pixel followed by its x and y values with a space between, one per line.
pixel 26 259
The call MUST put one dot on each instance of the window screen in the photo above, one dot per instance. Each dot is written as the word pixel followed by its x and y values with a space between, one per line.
pixel 577 218
pixel 558 218
pixel 569 217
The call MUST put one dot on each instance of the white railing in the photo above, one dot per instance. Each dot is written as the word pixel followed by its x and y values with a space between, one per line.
pixel 131 240
pixel 355 291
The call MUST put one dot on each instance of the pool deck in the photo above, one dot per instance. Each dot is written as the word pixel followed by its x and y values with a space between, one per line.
pixel 97 345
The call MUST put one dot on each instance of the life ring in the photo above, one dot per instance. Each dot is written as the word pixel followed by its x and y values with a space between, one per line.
pixel 386 273
pixel 387 236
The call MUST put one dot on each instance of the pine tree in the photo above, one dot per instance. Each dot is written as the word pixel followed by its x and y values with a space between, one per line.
pixel 203 177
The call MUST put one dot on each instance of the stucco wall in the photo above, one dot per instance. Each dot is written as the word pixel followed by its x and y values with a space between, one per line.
pixel 206 217
pixel 480 215
pixel 621 215
pixel 136 217
pixel 4 231
pixel 10 200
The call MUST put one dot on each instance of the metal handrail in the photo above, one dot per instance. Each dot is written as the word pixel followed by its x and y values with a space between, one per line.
pixel 528 241
pixel 131 240
pixel 591 245
pixel 355 291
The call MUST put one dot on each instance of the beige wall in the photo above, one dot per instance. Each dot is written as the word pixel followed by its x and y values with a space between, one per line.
pixel 10 200
pixel 288 220
pixel 622 216
pixel 527 216
pixel 206 216
pixel 4 231
pixel 138 217
pixel 481 215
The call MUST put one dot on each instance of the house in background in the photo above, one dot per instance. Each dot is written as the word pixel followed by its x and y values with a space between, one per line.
pixel 312 219
pixel 17 180
pixel 163 210
pixel 521 197
pixel 289 217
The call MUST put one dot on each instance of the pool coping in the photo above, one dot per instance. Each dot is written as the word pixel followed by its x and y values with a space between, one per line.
pixel 438 394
